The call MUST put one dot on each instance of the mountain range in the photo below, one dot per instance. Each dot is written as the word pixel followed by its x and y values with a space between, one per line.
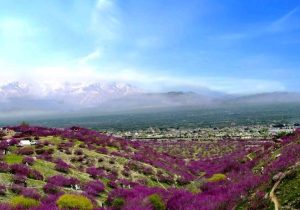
pixel 34 98
pixel 65 96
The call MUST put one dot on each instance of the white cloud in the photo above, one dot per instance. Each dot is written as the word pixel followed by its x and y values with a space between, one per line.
pixel 284 22
pixel 90 57
pixel 105 4
pixel 83 69
pixel 7 72
pixel 105 21
pixel 56 75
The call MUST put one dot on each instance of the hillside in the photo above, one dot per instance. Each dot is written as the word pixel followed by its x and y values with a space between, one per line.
pixel 268 98
pixel 76 168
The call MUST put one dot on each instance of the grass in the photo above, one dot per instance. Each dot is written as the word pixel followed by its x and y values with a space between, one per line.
pixel 251 156
pixel 61 155
pixel 288 191
pixel 13 158
pixel 118 203
pixel 72 201
pixel 46 168
pixel 35 183
pixel 217 178
pixel 84 177
pixel 5 178
pixel 26 203
pixel 51 139
pixel 157 202
pixel 275 153
pixel 194 186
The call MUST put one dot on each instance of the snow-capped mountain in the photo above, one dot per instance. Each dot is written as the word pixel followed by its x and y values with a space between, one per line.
pixel 21 98
pixel 89 95
pixel 74 95
pixel 14 89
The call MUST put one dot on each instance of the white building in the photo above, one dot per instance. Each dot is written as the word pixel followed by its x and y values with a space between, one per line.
pixel 24 143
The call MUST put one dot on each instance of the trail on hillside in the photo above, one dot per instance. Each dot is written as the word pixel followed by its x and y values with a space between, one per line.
pixel 273 196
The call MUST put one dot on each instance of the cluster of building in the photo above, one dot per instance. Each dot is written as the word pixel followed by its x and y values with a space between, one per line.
pixel 234 132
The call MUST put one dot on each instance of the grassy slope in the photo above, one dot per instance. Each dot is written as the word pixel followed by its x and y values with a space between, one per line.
pixel 288 191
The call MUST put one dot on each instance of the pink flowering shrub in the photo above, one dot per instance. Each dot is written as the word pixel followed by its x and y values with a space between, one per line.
pixel 31 193
pixel 62 166
pixel 28 161
pixel 94 188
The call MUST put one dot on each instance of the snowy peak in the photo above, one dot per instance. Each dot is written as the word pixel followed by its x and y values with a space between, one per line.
pixel 81 94
pixel 14 89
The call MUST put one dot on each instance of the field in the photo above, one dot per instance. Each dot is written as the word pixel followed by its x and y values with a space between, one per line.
pixel 189 117
pixel 78 168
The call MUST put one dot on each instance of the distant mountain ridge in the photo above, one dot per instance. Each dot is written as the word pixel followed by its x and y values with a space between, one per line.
pixel 268 98
pixel 21 97
pixel 78 95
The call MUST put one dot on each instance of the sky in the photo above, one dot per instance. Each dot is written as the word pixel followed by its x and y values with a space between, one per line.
pixel 230 46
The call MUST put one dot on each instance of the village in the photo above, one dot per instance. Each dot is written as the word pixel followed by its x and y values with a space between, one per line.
pixel 201 134
pixel 234 132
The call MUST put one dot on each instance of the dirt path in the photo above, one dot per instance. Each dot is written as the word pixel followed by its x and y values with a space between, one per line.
pixel 273 196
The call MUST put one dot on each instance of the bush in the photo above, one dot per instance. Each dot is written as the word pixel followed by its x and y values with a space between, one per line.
pixel 72 201
pixel 40 151
pixel 2 190
pixel 19 169
pixel 50 151
pixel 26 151
pixel 68 152
pixel 78 152
pixel 217 178
pixel 112 184
pixel 62 166
pixel 4 167
pixel 17 189
pixel 62 181
pixel 31 193
pixel 5 206
pixel 102 150
pixel 21 201
pixel 118 203
pixel 19 179
pixel 3 145
pixel 157 202
pixel 95 172
pixel 73 181
pixel 94 188
pixel 14 142
pixel 34 174
pixel 28 160
pixel 50 188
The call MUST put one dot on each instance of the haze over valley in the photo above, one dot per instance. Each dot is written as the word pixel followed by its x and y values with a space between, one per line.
pixel 20 99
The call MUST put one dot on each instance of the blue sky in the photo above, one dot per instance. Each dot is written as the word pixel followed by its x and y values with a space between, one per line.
pixel 159 45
